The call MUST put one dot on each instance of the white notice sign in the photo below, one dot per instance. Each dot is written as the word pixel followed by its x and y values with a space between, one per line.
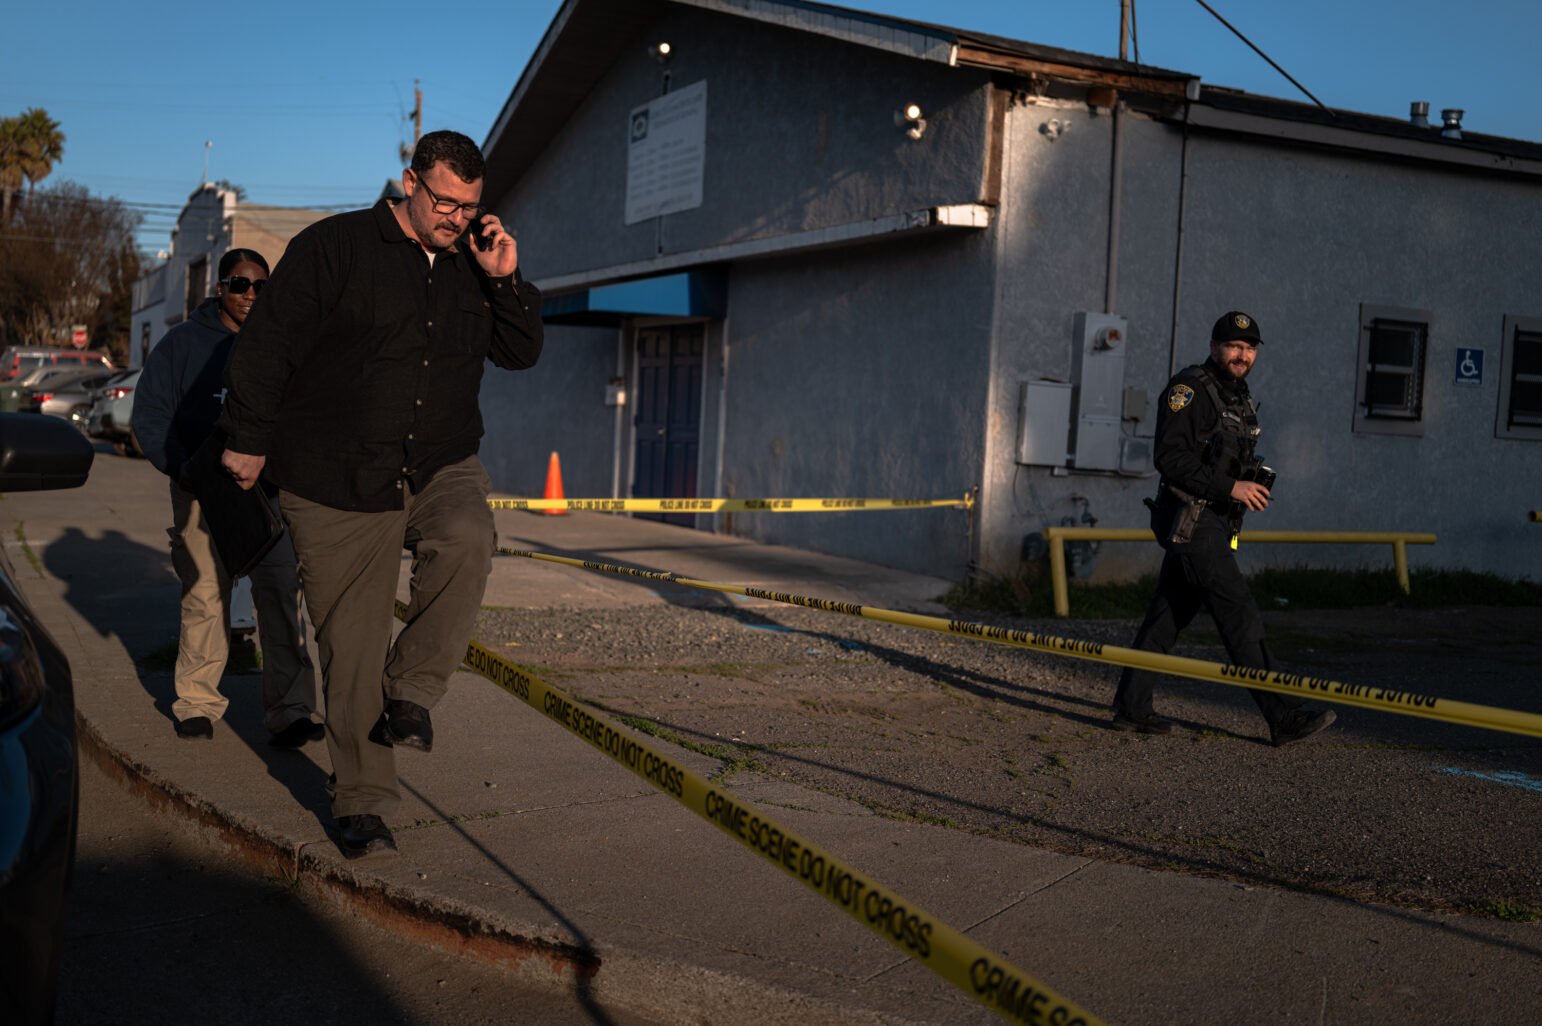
pixel 666 154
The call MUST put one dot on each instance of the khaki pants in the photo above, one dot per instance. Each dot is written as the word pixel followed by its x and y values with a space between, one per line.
pixel 203 642
pixel 349 566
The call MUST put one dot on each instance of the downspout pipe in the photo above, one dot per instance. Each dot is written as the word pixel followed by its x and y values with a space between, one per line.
pixel 1116 176
pixel 1115 187
pixel 1183 193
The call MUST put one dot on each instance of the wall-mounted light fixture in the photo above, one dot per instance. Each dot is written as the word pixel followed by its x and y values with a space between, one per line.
pixel 1053 128
pixel 661 51
pixel 909 118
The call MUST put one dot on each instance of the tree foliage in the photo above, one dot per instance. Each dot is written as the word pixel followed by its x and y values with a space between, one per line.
pixel 226 185
pixel 68 257
pixel 30 145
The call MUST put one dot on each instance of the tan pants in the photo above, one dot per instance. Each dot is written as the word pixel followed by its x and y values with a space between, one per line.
pixel 349 565
pixel 203 642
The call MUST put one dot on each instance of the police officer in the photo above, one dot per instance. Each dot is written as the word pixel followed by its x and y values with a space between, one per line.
pixel 1207 431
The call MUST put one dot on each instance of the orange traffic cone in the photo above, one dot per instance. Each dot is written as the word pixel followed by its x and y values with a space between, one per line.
pixel 554 484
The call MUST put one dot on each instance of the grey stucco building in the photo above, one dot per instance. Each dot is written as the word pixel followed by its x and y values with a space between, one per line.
pixel 815 252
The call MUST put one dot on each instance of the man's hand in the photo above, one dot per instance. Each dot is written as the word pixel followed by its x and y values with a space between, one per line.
pixel 501 258
pixel 245 468
pixel 1251 494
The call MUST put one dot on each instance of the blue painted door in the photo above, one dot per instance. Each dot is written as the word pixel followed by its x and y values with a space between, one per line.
pixel 670 361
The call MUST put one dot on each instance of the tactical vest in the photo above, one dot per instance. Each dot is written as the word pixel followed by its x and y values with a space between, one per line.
pixel 1234 439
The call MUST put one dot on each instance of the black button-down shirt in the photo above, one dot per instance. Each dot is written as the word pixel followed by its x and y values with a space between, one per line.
pixel 358 371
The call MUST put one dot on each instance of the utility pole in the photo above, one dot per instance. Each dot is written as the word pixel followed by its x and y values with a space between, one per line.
pixel 1124 29
pixel 417 122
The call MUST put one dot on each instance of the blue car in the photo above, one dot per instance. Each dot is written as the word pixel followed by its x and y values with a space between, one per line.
pixel 39 769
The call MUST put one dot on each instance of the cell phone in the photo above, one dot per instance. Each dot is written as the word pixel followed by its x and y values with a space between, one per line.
pixel 483 242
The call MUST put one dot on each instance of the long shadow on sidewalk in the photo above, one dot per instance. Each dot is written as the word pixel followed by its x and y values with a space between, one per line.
pixel 583 990
pixel 128 591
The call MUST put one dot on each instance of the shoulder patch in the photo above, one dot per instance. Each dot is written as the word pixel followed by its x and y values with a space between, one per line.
pixel 1179 397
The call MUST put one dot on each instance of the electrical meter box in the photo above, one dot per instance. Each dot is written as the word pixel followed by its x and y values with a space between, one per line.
pixel 1043 423
pixel 1097 377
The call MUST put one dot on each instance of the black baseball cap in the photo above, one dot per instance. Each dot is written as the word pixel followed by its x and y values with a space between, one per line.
pixel 1234 325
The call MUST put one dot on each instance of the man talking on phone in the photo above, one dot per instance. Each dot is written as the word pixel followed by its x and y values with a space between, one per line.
pixel 354 389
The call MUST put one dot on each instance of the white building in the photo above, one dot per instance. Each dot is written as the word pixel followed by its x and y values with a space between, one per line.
pixel 212 222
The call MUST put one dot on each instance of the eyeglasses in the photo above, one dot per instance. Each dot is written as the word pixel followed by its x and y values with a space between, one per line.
pixel 236 285
pixel 449 206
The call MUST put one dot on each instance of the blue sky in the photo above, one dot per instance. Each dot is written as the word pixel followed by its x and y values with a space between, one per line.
pixel 306 103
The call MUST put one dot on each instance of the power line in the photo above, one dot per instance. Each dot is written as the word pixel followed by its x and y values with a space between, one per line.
pixel 1266 57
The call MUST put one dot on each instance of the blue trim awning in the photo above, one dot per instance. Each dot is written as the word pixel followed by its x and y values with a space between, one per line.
pixel 699 293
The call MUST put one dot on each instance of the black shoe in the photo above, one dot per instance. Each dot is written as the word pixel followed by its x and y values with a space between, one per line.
pixel 296 734
pixel 358 836
pixel 196 728
pixel 407 725
pixel 1299 724
pixel 1150 723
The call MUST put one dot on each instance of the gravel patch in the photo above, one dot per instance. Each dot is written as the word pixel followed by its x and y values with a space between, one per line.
pixel 1014 744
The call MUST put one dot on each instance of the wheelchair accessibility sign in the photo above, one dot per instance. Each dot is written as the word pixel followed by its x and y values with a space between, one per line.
pixel 1469 366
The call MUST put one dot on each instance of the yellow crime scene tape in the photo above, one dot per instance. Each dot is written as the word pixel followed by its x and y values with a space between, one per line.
pixel 968 965
pixel 1383 699
pixel 728 505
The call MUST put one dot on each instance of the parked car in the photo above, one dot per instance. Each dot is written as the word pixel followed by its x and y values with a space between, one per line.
pixel 18 393
pixel 18 361
pixel 110 412
pixel 39 764
pixel 66 395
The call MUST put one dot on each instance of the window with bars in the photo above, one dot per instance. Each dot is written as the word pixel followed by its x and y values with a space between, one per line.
pixel 1520 380
pixel 1394 372
pixel 1390 376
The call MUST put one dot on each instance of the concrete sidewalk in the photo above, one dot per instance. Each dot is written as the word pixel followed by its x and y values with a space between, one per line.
pixel 523 846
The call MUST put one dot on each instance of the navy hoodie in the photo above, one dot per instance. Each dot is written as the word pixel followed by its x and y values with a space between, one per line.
pixel 182 388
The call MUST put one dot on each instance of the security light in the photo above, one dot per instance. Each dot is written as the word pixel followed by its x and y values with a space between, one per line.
pixel 909 117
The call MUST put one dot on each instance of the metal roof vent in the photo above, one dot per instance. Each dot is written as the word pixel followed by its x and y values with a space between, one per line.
pixel 1452 116
pixel 1419 114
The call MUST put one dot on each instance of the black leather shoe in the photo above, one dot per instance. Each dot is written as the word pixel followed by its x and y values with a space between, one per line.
pixel 1150 723
pixel 297 733
pixel 1299 724
pixel 358 836
pixel 196 728
pixel 407 725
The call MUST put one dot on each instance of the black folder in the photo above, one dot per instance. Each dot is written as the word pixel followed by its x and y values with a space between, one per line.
pixel 242 522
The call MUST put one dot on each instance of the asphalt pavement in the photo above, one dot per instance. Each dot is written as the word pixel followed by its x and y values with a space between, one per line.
pixel 523 847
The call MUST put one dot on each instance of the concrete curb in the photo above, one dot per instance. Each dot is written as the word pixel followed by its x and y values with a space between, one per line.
pixel 639 984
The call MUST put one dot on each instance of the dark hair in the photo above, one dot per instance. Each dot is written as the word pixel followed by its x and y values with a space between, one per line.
pixel 452 148
pixel 239 256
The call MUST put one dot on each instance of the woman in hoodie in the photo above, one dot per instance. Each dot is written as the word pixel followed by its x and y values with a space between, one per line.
pixel 176 404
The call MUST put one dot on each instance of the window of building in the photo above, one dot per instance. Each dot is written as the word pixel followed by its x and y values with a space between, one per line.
pixel 1520 379
pixel 144 341
pixel 197 284
pixel 1389 376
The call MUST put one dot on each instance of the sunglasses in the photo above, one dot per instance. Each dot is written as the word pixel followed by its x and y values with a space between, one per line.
pixel 237 285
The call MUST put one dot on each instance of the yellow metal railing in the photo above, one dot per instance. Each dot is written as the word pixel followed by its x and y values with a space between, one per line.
pixel 1058 536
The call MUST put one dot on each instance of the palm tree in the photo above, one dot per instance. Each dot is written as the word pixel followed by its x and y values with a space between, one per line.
pixel 30 145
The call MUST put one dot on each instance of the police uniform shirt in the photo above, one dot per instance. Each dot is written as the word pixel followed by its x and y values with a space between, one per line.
pixel 1186 418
